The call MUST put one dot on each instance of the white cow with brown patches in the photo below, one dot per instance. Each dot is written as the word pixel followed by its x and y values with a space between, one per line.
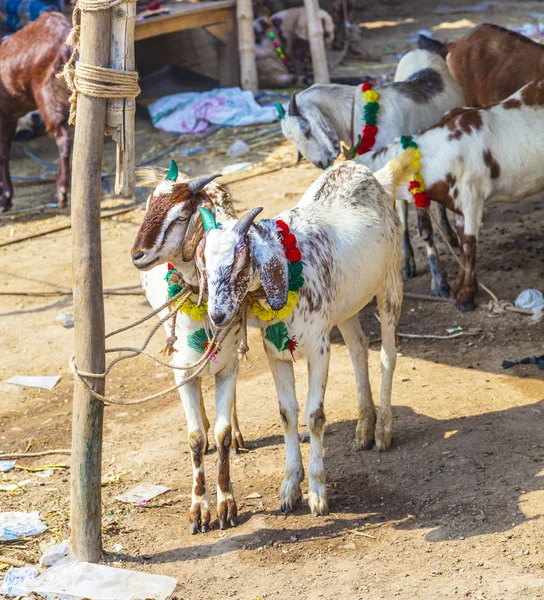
pixel 349 235
pixel 474 156
pixel 169 233
pixel 322 116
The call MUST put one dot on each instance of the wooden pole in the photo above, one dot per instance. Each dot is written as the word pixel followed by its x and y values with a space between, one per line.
pixel 88 413
pixel 317 43
pixel 246 43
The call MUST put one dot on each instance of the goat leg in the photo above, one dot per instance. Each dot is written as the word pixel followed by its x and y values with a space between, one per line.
pixel 408 260
pixel 447 228
pixel 64 144
pixel 439 281
pixel 7 131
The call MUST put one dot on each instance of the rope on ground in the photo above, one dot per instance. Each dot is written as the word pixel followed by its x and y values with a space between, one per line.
pixel 33 454
pixel 495 305
pixel 89 80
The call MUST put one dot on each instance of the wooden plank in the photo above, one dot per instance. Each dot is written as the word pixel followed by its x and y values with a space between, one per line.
pixel 317 43
pixel 186 17
pixel 246 46
pixel 88 414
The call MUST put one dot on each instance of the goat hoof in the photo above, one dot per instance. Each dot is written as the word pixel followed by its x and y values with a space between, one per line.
pixel 233 522
pixel 465 307
pixel 199 517
pixel 291 495
pixel 317 501
pixel 193 528
pixel 222 524
pixel 227 511
pixel 204 529
pixel 237 442
pixel 441 289
pixel 4 208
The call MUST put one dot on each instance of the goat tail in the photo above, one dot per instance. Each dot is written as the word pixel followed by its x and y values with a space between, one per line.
pixel 398 170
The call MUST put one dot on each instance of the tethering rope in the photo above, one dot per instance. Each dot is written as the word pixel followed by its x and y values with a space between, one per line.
pixel 89 80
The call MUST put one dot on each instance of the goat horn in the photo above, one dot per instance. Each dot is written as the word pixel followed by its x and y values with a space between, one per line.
pixel 208 220
pixel 195 185
pixel 280 109
pixel 293 108
pixel 172 174
pixel 243 225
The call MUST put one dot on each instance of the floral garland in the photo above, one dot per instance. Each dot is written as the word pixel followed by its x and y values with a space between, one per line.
pixel 190 308
pixel 366 142
pixel 278 334
pixel 278 48
pixel 417 184
pixel 296 280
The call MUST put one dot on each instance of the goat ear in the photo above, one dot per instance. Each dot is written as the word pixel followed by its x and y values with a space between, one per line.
pixel 195 230
pixel 172 174
pixel 273 272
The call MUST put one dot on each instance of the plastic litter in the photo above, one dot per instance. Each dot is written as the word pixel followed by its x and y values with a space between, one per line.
pixel 98 582
pixel 533 300
pixel 12 487
pixel 14 525
pixel 6 465
pixel 531 30
pixel 238 148
pixel 65 320
pixel 529 360
pixel 55 553
pixel 44 382
pixel 254 495
pixel 142 493
pixel 16 581
pixel 454 330
pixel 191 151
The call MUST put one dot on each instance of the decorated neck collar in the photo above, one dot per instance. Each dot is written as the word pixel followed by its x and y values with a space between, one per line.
pixel 417 183
pixel 278 334
pixel 272 35
pixel 367 139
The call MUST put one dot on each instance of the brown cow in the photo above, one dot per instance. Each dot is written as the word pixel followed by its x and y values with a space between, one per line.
pixel 491 63
pixel 29 62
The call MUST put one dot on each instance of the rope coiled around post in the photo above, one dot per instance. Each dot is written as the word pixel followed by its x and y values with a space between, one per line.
pixel 89 80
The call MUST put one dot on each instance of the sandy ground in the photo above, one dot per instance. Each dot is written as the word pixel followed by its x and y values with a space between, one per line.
pixel 453 510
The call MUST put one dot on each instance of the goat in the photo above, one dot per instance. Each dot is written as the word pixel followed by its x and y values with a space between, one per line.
pixel 169 234
pixel 322 116
pixel 29 62
pixel 346 230
pixel 474 156
pixel 491 63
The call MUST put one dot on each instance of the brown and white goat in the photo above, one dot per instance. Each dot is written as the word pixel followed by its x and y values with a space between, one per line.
pixel 349 236
pixel 169 234
pixel 491 63
pixel 29 62
pixel 474 156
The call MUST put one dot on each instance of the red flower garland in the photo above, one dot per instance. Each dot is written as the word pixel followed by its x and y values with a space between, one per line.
pixel 289 242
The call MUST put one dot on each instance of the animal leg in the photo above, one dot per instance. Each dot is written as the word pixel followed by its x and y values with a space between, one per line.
pixel 473 219
pixel 237 441
pixel 318 371
pixel 205 420
pixel 225 389
pixel 357 344
pixel 284 378
pixel 408 260
pixel 446 227
pixel 460 227
pixel 199 515
pixel 7 131
pixel 64 145
pixel 439 281
pixel 389 306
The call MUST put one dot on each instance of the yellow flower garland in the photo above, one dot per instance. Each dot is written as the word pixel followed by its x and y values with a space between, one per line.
pixel 192 310
pixel 267 314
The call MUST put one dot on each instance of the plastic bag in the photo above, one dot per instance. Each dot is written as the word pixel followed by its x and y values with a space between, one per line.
pixel 55 553
pixel 13 525
pixel 16 581
pixel 533 300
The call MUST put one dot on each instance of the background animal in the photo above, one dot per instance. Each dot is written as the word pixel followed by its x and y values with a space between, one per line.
pixel 479 155
pixel 346 229
pixel 169 233
pixel 491 63
pixel 322 116
pixel 29 62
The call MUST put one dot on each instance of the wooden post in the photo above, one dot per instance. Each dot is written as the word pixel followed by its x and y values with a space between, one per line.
pixel 317 43
pixel 246 43
pixel 88 413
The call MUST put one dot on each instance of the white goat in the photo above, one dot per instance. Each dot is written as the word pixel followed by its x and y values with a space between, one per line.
pixel 170 231
pixel 478 155
pixel 349 236
pixel 322 116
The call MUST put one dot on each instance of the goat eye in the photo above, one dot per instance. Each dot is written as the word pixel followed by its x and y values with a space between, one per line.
pixel 182 219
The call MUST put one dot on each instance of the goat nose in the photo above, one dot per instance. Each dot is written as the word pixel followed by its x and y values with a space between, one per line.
pixel 218 318
pixel 137 256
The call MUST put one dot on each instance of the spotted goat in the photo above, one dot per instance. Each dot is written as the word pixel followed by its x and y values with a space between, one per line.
pixel 346 235
pixel 322 116
pixel 170 231
pixel 475 156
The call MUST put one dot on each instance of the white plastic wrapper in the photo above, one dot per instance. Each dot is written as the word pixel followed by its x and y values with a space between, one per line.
pixel 14 525
pixel 16 581
pixel 533 300
pixel 55 553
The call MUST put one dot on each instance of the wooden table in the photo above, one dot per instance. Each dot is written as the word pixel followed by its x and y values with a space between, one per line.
pixel 219 19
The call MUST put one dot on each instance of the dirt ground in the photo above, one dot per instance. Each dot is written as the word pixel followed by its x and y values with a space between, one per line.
pixel 454 509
